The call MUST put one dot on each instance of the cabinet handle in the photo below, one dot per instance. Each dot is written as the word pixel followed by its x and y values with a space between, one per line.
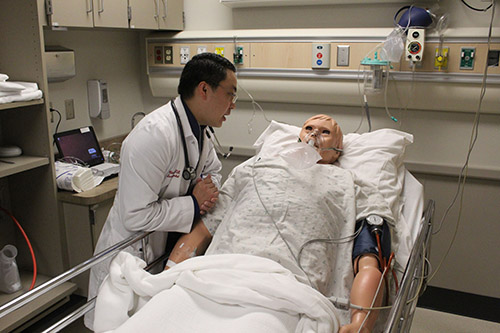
pixel 157 9
pixel 102 7
pixel 165 9
pixel 91 7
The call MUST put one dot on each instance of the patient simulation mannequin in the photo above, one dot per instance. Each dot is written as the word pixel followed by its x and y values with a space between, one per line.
pixel 325 134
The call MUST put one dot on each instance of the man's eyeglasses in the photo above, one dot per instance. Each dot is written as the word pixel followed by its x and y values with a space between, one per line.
pixel 234 97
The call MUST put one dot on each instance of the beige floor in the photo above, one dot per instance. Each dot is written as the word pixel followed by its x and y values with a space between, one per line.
pixel 424 321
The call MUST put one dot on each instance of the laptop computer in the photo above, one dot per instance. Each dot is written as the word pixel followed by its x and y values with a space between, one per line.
pixel 82 145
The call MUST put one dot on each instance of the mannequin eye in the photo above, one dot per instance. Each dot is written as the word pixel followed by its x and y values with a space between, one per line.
pixel 309 128
pixel 327 132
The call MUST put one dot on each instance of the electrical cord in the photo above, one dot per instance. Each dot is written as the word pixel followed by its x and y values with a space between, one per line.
pixel 465 169
pixel 33 259
pixel 58 122
pixel 254 105
pixel 478 9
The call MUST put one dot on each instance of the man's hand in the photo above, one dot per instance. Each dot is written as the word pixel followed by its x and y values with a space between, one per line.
pixel 206 193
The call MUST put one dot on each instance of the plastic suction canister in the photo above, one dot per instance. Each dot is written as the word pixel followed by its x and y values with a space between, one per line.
pixel 10 281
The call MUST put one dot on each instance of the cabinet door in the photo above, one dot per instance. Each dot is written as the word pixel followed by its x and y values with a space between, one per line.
pixel 111 13
pixel 171 14
pixel 144 14
pixel 72 13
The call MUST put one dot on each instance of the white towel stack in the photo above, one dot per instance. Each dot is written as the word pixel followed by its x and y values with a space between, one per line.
pixel 17 91
pixel 73 177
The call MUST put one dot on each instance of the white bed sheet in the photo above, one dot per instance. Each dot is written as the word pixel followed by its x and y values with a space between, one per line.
pixel 378 156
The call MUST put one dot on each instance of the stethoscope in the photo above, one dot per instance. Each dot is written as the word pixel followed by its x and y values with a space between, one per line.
pixel 189 173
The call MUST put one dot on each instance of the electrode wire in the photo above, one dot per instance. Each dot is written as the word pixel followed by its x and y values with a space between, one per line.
pixel 33 259
pixel 465 169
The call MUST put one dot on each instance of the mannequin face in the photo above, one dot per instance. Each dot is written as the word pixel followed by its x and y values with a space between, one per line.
pixel 326 133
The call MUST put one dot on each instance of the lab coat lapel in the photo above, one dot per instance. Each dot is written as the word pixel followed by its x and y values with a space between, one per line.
pixel 204 153
pixel 190 139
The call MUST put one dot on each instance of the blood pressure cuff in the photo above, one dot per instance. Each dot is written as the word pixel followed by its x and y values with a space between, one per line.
pixel 366 242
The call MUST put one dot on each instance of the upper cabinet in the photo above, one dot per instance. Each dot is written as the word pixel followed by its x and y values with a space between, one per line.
pixel 110 13
pixel 135 14
pixel 156 14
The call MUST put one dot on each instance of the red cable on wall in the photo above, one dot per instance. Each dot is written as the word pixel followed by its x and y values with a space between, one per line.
pixel 33 259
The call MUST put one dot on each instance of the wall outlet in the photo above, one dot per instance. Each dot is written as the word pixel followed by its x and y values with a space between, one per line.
pixel 169 54
pixel 467 56
pixel 219 50
pixel 320 55
pixel 184 55
pixel 69 104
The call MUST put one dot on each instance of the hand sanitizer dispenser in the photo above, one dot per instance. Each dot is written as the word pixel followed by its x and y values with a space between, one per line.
pixel 98 99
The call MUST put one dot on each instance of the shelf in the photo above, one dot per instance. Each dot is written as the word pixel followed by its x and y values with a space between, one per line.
pixel 20 164
pixel 281 3
pixel 13 105
pixel 54 298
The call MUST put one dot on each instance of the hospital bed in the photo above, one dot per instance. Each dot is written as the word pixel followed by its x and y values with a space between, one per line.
pixel 361 153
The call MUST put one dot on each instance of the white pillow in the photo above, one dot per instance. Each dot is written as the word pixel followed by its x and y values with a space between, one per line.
pixel 375 156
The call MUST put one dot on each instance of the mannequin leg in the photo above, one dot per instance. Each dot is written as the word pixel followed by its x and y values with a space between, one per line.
pixel 363 291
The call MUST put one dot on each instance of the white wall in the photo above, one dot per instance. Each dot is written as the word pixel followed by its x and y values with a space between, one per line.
pixel 110 55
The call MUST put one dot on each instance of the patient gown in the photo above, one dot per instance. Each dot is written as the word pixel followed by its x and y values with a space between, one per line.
pixel 303 219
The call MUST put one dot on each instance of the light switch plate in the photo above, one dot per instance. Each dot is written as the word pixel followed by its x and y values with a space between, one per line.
pixel 343 55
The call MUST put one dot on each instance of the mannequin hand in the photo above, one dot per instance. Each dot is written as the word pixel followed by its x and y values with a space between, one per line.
pixel 206 193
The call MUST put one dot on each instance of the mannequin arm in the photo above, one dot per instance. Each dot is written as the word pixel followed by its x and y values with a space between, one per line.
pixel 363 292
pixel 190 245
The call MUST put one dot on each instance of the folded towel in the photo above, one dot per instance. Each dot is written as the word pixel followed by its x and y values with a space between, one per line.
pixel 28 96
pixel 11 86
pixel 27 86
pixel 75 178
pixel 9 93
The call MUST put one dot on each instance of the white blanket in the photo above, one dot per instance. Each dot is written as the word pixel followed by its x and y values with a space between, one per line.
pixel 205 294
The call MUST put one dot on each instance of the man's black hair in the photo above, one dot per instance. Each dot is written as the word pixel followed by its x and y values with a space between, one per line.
pixel 209 67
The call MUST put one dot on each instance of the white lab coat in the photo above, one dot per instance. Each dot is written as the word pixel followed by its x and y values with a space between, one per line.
pixel 151 191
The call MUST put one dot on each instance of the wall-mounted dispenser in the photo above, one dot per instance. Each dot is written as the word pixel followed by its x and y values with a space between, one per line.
pixel 98 99
pixel 60 63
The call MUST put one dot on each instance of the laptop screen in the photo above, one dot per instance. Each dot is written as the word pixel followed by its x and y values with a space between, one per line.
pixel 80 143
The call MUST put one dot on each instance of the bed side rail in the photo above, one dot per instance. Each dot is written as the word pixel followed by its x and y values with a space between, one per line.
pixel 27 297
pixel 414 279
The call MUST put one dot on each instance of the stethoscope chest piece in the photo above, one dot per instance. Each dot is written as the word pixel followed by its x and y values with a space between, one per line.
pixel 189 173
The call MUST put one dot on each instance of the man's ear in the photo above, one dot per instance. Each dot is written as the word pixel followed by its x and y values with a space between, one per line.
pixel 203 89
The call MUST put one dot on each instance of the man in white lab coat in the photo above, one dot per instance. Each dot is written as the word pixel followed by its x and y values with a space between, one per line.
pixel 169 172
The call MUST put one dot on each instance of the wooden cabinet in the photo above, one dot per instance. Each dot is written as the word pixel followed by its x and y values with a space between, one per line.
pixel 136 14
pixel 27 183
pixel 110 13
pixel 156 14
pixel 84 216
pixel 84 13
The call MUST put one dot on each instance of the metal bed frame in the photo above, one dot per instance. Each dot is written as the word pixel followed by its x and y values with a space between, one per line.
pixel 400 317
